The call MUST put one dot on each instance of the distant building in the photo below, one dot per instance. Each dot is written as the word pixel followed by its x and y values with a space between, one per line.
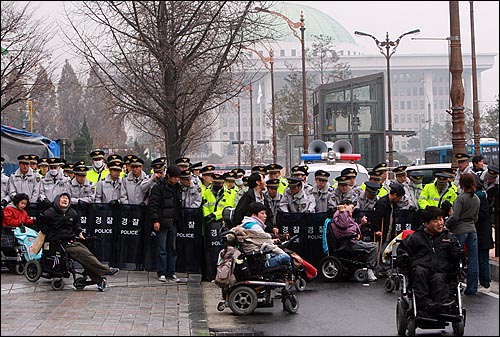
pixel 420 83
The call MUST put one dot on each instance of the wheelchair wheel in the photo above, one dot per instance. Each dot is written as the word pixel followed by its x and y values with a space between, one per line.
pixel 291 304
pixel 390 285
pixel 300 284
pixel 361 275
pixel 57 283
pixel 412 326
pixel 331 269
pixel 80 283
pixel 19 269
pixel 400 318
pixel 221 306
pixel 33 270
pixel 243 300
pixel 459 327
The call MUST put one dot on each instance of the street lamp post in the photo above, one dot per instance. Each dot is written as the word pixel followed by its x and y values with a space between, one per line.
pixel 388 44
pixel 294 26
pixel 270 68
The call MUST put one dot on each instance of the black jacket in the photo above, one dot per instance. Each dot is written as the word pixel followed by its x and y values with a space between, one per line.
pixel 439 253
pixel 241 209
pixel 382 216
pixel 483 225
pixel 59 224
pixel 165 204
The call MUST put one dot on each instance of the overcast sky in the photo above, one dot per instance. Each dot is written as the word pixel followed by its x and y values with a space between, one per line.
pixel 397 17
pixel 433 20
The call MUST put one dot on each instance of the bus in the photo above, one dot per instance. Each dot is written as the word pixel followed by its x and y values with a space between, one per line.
pixel 443 153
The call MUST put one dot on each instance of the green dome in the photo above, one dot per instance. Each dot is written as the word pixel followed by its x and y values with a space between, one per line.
pixel 316 23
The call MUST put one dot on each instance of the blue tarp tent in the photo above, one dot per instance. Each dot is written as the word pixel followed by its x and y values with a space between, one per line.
pixel 16 142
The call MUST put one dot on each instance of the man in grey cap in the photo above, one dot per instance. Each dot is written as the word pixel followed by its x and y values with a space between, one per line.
pixel 23 180
pixel 368 198
pixel 131 191
pixel 81 190
pixel 296 199
pixel 463 167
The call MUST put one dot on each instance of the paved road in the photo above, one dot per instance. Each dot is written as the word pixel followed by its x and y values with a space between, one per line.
pixel 135 304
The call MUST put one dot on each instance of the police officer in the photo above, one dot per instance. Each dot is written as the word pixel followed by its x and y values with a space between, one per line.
pixel 68 170
pixel 230 189
pixel 239 182
pixel 195 170
pixel 81 190
pixel 382 170
pixel 352 174
pixel 158 167
pixel 343 191
pixel 368 198
pixel 99 170
pixel 274 172
pixel 54 183
pixel 191 192
pixel 490 184
pixel 300 171
pixel 463 167
pixel 273 196
pixel 436 192
pixel 213 199
pixel 296 199
pixel 108 190
pixel 183 163
pixel 5 182
pixel 23 180
pixel 323 192
pixel 414 189
pixel 400 176
pixel 34 165
pixel 131 190
pixel 43 167
pixel 207 175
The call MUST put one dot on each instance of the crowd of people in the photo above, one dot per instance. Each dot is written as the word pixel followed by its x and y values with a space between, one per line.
pixel 165 190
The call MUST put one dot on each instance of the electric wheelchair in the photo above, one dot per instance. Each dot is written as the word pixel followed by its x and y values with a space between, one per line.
pixel 256 286
pixel 409 318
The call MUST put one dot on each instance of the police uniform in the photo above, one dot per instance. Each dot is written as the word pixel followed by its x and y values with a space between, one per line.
pixel 324 196
pixel 367 201
pixel 191 195
pixel 81 192
pixel 213 199
pixel 52 185
pixel 207 174
pixel 109 190
pixel 301 171
pixel 273 201
pixel 5 185
pixel 415 188
pixel 431 196
pixel 195 171
pixel 158 172
pixel 131 190
pixel 43 167
pixel 352 174
pixel 401 178
pixel 338 195
pixel 300 202
pixel 461 157
pixel 23 183
pixel 230 192
pixel 242 191
pixel 97 173
pixel 273 169
pixel 68 170
pixel 34 165
pixel 377 178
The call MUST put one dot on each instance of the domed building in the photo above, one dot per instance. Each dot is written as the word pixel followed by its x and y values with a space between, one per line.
pixel 419 88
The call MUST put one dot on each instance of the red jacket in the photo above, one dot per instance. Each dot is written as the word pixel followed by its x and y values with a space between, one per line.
pixel 14 217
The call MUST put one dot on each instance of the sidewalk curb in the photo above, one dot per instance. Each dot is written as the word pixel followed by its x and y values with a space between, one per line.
pixel 494 270
pixel 197 313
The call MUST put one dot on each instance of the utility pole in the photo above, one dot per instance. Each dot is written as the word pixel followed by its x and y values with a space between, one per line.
pixel 457 88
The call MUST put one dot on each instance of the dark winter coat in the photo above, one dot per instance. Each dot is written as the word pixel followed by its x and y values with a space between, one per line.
pixel 59 224
pixel 165 204
pixel 483 225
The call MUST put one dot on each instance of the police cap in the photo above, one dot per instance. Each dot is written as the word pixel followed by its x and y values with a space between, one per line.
pixel 230 176
pixel 322 175
pixel 259 169
pixel 293 181
pixel 54 161
pixel 442 176
pixel 186 174
pixel 24 159
pixel 416 176
pixel 80 170
pixel 273 183
pixel 372 187
pixel 97 154
pixel 182 161
pixel 462 156
pixel 207 169
pixel 196 166
pixel 300 170
pixel 274 168
pixel 399 170
pixel 349 172
pixel 342 180
pixel 218 178
pixel 43 162
pixel 380 167
pixel 33 159
pixel 239 172
pixel 136 161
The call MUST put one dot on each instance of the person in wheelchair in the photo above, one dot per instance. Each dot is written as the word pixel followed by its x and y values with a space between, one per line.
pixel 431 255
pixel 348 232
pixel 255 223
pixel 60 224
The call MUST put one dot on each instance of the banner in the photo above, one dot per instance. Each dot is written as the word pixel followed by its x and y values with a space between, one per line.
pixel 189 244
pixel 100 222
pixel 312 242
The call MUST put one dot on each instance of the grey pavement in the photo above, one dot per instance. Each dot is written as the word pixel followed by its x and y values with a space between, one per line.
pixel 134 304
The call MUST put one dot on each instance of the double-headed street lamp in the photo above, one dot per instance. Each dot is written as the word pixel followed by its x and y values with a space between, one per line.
pixel 294 26
pixel 270 68
pixel 388 44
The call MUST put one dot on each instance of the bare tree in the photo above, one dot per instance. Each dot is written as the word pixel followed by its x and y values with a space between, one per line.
pixel 168 64
pixel 24 49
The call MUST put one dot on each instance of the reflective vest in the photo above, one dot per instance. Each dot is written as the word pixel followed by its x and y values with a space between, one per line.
pixel 94 176
pixel 430 196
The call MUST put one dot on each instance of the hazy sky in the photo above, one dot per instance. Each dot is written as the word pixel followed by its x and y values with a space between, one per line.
pixel 397 17
pixel 433 20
